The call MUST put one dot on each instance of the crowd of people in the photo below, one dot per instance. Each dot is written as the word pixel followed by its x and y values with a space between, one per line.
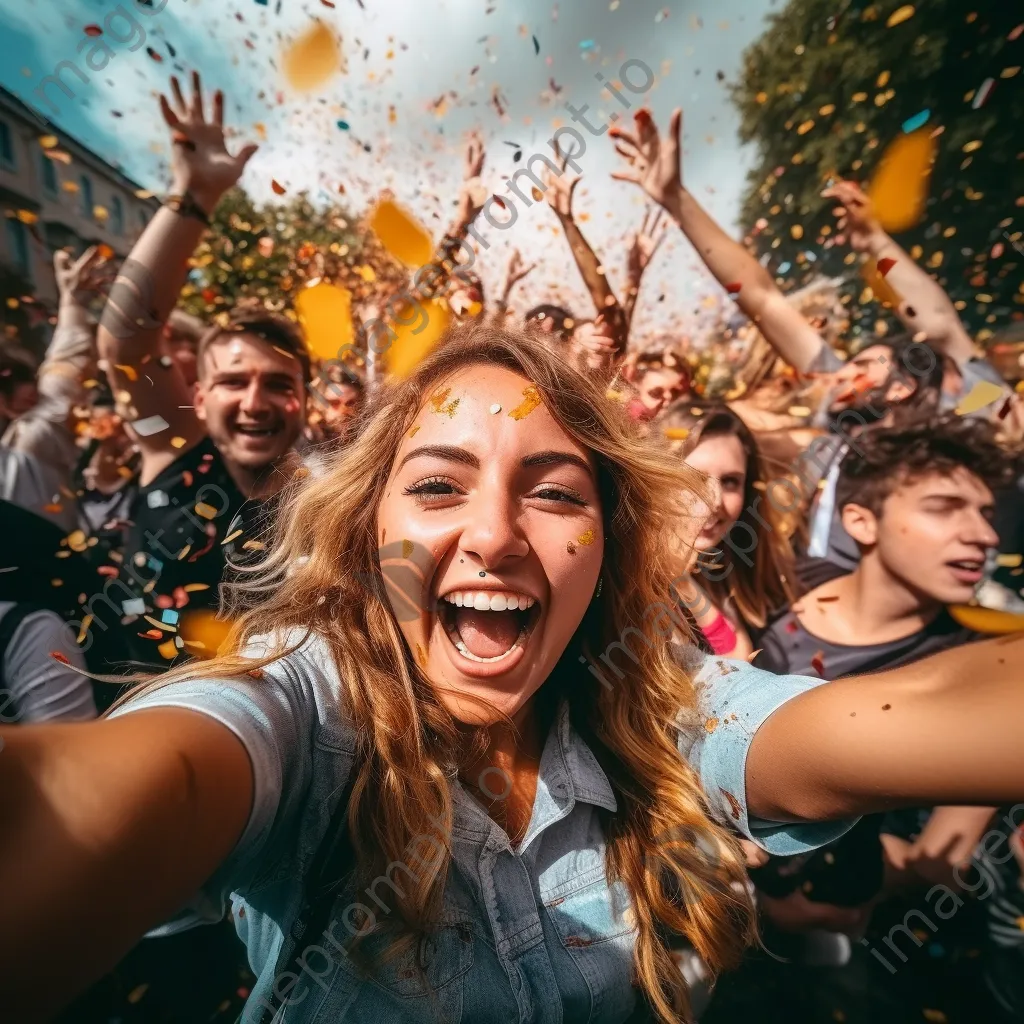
pixel 267 621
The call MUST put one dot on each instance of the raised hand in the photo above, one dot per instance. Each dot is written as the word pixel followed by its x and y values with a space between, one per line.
pixel 79 281
pixel 516 270
pixel 654 162
pixel 200 161
pixel 645 242
pixel 472 193
pixel 559 188
pixel 856 214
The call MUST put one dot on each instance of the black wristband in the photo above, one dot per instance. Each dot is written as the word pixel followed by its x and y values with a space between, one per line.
pixel 185 205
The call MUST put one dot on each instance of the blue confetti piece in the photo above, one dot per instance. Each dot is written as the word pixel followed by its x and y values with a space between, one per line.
pixel 343 125
pixel 587 44
pixel 784 267
pixel 917 121
pixel 170 616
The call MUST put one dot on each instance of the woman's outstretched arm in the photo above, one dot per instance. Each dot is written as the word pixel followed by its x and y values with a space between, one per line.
pixel 108 829
pixel 945 730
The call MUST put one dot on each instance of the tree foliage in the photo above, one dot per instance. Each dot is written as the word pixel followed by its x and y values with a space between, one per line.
pixel 267 254
pixel 831 83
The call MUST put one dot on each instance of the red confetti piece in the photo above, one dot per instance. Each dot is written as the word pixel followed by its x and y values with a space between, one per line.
pixel 327 3
pixel 93 30
pixel 107 570
pixel 734 287
pixel 818 663
pixel 156 56
pixel 278 188
pixel 1005 411
pixel 57 656
pixel 885 265
pixel 791 626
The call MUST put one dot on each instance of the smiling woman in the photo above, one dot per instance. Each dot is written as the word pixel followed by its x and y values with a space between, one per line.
pixel 420 627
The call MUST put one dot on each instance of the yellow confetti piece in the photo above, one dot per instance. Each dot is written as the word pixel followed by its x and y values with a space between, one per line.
pixel 586 538
pixel 412 342
pixel 27 217
pixel 531 399
pixel 677 433
pixel 203 632
pixel 254 545
pixel 900 15
pixel 986 620
pixel 138 992
pixel 234 535
pixel 401 233
pixel 797 231
pixel 325 313
pixel 799 411
pixel 76 540
pixel 313 58
pixel 412 433
pixel 983 393
pixel 899 189
pixel 1009 561
pixel 407 547
pixel 48 141
pixel 69 186
pixel 195 588
pixel 204 510
pixel 168 651
pixel 163 626
pixel 805 128
pixel 178 442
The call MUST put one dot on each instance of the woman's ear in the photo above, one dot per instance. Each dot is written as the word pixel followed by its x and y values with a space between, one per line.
pixel 860 523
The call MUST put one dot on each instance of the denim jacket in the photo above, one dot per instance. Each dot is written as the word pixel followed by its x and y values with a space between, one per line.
pixel 534 934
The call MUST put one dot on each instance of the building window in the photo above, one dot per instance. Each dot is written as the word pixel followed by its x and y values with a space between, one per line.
pixel 116 216
pixel 17 241
pixel 6 146
pixel 49 175
pixel 85 187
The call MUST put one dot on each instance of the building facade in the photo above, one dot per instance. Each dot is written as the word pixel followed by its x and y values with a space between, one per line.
pixel 55 192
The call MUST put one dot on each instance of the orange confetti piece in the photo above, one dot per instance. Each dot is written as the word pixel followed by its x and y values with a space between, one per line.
pixel 586 538
pixel 168 650
pixel 899 189
pixel 313 58
pixel 204 510
pixel 885 265
pixel 531 399
pixel 278 188
pixel 401 234
pixel 62 658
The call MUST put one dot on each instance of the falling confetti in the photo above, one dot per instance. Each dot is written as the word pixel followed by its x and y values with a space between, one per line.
pixel 413 341
pixel 917 121
pixel 983 394
pixel 900 15
pixel 401 234
pixel 313 58
pixel 983 93
pixel 899 188
pixel 325 312
pixel 149 425
pixel 278 188
pixel 885 265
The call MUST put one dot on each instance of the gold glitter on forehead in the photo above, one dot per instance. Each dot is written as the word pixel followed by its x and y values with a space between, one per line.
pixel 412 433
pixel 438 399
pixel 586 538
pixel 531 399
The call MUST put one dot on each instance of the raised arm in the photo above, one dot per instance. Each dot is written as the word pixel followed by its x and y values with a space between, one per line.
pixel 114 823
pixel 45 432
pixel 945 730
pixel 642 248
pixel 655 165
pixel 924 307
pixel 514 273
pixel 559 193
pixel 152 277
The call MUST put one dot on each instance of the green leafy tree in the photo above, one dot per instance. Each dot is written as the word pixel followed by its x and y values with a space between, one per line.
pixel 267 254
pixel 831 83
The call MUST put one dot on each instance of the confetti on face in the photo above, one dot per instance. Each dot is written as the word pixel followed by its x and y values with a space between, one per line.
pixel 412 433
pixel 531 400
pixel 571 548
pixel 495 409
pixel 586 538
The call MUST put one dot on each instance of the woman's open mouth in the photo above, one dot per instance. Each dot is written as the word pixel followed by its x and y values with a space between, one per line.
pixel 488 628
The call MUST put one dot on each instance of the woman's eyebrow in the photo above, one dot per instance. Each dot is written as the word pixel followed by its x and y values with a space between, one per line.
pixel 554 458
pixel 443 451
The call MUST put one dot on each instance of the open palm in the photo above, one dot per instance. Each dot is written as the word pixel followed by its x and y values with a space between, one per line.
pixel 654 162
pixel 200 161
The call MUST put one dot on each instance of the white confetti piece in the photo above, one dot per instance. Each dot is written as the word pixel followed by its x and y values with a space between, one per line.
pixel 157 499
pixel 150 425
pixel 134 606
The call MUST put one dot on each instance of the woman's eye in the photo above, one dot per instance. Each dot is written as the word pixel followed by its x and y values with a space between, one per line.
pixel 435 487
pixel 559 494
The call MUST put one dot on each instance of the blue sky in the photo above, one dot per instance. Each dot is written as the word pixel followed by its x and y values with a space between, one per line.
pixel 405 54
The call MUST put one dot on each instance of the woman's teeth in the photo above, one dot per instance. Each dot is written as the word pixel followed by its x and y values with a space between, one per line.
pixel 489 602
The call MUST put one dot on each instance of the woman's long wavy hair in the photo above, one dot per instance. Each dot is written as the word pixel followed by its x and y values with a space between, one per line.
pixel 323 576
pixel 766 581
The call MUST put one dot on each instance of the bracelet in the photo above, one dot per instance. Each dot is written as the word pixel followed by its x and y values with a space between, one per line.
pixel 185 205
